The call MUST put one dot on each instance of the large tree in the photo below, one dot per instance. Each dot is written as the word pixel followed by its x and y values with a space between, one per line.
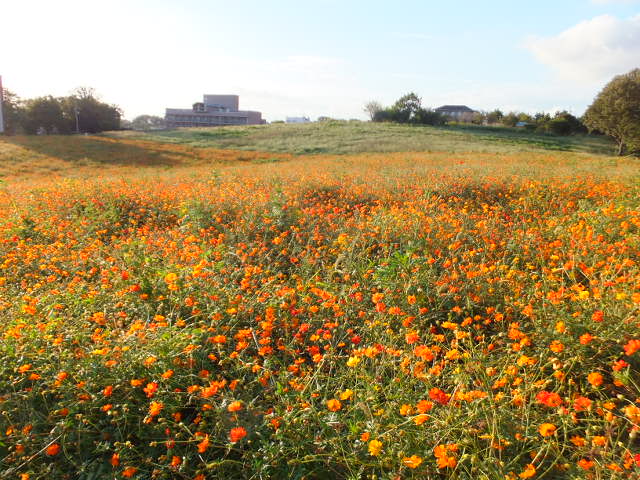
pixel 616 111
pixel 92 115
pixel 407 107
pixel 372 108
pixel 45 115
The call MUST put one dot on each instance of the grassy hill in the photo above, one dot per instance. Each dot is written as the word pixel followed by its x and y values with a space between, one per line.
pixel 338 137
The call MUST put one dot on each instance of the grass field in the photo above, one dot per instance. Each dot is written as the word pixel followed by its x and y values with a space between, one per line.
pixel 175 310
pixel 357 137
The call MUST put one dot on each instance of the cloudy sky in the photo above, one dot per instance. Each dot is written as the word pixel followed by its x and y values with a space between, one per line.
pixel 320 57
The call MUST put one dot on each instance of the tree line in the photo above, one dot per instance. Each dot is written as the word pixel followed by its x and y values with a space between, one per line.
pixel 615 112
pixel 409 109
pixel 80 112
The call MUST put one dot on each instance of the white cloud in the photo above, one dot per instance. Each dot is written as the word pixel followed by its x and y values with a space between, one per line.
pixel 593 50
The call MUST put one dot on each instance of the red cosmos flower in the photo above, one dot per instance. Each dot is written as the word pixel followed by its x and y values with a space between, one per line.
pixel 236 434
pixel 581 403
pixel 619 365
pixel 439 396
pixel 549 399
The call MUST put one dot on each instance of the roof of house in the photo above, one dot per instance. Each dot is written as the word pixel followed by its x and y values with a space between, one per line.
pixel 453 108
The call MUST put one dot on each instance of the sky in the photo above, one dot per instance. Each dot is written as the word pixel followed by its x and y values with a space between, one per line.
pixel 320 57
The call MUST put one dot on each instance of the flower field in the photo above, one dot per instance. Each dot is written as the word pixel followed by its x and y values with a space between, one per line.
pixel 401 315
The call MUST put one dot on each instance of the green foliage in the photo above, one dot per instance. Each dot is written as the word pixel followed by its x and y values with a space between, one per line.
pixel 407 109
pixel 11 111
pixel 616 111
pixel 82 111
pixel 148 122
pixel 45 115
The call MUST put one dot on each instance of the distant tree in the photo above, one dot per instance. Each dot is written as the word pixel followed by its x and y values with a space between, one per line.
pixel 371 108
pixel 479 118
pixel 510 119
pixel 12 112
pixel 541 118
pixel 148 122
pixel 564 123
pixel 386 115
pixel 406 108
pixel 427 116
pixel 494 117
pixel 44 114
pixel 616 111
pixel 525 117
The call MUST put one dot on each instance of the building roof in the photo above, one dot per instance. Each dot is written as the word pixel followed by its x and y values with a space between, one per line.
pixel 453 108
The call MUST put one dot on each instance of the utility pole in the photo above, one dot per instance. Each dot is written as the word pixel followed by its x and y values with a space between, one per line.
pixel 1 98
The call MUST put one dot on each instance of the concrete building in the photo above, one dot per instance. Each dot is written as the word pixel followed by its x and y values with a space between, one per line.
pixel 213 111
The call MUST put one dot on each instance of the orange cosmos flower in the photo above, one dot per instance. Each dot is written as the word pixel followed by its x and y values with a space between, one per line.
pixel 405 410
pixel 24 368
pixel 578 441
pixel 547 429
pixel 423 406
pixel 595 379
pixel 375 447
pixel 619 365
pixel 413 461
pixel 586 464
pixel 632 347
pixel 334 405
pixel 412 337
pixel 129 472
pixel 347 394
pixel 581 403
pixel 528 472
pixel 549 399
pixel 155 408
pixel 235 406
pixel 597 316
pixel 53 449
pixel 236 434
pixel 420 419
pixel 556 346
pixel 115 460
pixel 377 297
pixel 586 339
pixel 204 444
pixel 150 389
pixel 441 452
